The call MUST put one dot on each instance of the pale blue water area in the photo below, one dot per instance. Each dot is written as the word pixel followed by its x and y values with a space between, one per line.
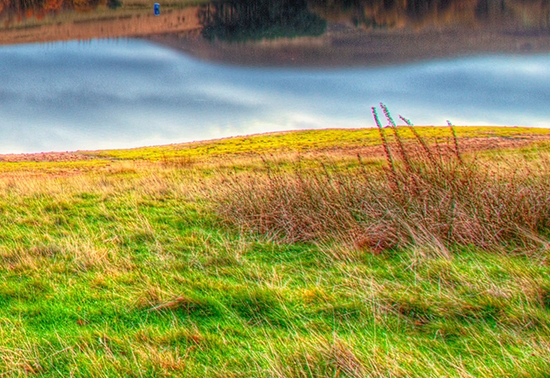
pixel 128 93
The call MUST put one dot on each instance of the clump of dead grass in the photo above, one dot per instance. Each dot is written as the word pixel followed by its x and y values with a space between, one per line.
pixel 427 194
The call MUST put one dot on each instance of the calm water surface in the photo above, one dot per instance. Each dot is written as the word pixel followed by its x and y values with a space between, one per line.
pixel 211 81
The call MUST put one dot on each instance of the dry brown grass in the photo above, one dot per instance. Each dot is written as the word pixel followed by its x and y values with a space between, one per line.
pixel 427 194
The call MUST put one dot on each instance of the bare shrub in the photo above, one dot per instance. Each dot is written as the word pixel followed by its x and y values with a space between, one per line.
pixel 428 194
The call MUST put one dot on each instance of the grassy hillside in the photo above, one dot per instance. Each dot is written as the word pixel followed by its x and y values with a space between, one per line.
pixel 194 260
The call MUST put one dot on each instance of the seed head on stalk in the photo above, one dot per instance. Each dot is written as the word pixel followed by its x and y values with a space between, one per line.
pixel 385 144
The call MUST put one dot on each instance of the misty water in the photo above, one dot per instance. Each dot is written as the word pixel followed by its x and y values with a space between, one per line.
pixel 113 75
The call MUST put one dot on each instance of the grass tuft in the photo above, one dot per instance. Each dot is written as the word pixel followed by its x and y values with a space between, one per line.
pixel 428 195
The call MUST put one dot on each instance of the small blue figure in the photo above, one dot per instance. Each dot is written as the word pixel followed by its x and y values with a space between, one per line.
pixel 157 9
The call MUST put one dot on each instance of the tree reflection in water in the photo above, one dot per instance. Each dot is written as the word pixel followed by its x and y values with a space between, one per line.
pixel 241 20
pixel 390 14
pixel 23 9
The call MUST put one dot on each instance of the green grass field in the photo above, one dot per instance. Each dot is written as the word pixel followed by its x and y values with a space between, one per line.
pixel 158 262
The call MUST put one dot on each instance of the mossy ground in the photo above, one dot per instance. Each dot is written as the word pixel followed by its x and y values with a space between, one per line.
pixel 118 266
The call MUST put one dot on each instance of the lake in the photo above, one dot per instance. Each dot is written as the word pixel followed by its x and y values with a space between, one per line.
pixel 110 74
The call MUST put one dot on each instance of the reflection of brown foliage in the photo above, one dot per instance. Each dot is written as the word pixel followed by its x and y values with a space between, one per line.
pixel 3 4
pixel 390 14
pixel 533 12
pixel 395 13
pixel 445 14
pixel 23 9
pixel 381 13
pixel 52 5
pixel 85 5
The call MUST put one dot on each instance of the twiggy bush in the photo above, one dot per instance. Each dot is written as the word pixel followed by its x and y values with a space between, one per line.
pixel 426 195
